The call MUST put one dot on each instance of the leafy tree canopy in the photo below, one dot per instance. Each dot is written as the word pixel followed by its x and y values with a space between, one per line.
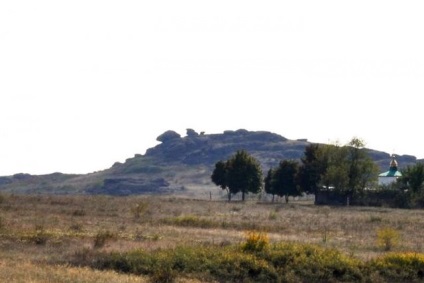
pixel 347 168
pixel 241 173
pixel 413 177
pixel 284 179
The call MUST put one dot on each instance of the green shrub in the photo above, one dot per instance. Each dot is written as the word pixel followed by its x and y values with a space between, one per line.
pixel 234 266
pixel 278 263
pixel 282 262
pixel 399 267
pixel 312 263
pixel 387 238
pixel 255 242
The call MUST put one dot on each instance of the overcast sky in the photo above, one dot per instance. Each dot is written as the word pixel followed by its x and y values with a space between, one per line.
pixel 86 83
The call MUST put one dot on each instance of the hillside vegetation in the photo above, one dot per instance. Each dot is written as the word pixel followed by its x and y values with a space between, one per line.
pixel 178 165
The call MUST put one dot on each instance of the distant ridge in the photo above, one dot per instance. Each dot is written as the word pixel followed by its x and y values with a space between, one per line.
pixel 178 165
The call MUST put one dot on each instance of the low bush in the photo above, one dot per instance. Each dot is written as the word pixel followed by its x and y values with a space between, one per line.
pixel 280 263
pixel 387 238
pixel 277 263
pixel 399 267
pixel 255 242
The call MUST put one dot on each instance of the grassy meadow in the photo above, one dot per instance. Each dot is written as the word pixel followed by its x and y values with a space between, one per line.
pixel 158 239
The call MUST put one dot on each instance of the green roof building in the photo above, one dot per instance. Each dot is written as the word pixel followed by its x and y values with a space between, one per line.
pixel 390 176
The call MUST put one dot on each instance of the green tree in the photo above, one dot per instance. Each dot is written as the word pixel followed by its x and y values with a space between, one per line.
pixel 362 170
pixel 244 174
pixel 348 169
pixel 241 173
pixel 284 181
pixel 219 177
pixel 336 177
pixel 413 177
pixel 335 171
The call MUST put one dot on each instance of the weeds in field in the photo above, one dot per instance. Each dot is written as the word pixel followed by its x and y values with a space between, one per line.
pixel 190 221
pixel 375 219
pixel 272 215
pixel 38 237
pixel 387 238
pixel 325 211
pixel 79 212
pixel 102 237
pixel 139 209
pixel 76 227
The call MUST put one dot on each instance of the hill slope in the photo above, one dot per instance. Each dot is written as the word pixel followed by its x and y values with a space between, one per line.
pixel 178 165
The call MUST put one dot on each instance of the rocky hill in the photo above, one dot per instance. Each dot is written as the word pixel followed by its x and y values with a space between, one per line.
pixel 178 165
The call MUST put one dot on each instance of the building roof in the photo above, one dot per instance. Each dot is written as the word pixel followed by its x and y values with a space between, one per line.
pixel 391 173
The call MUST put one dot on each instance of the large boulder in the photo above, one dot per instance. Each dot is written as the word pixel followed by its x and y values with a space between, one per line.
pixel 168 136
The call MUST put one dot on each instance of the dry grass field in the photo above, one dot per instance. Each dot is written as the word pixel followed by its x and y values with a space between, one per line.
pixel 40 236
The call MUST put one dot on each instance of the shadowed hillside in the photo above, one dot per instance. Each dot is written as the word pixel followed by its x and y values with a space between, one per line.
pixel 178 165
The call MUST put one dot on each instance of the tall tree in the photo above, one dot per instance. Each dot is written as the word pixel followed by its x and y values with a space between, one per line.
pixel 333 159
pixel 284 181
pixel 241 173
pixel 244 174
pixel 362 170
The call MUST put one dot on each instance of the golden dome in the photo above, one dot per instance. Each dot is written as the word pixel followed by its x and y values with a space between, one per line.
pixel 393 163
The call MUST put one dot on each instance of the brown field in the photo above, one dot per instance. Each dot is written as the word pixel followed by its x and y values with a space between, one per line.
pixel 39 235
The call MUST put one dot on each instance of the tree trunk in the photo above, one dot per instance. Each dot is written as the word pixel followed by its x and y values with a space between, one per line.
pixel 229 196
pixel 273 197
pixel 242 195
pixel 287 198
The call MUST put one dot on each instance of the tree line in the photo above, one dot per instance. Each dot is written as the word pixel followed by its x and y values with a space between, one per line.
pixel 345 170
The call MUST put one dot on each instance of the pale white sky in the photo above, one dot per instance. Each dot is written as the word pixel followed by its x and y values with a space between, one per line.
pixel 86 83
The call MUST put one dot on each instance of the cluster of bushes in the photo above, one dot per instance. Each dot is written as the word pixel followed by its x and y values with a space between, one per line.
pixel 256 260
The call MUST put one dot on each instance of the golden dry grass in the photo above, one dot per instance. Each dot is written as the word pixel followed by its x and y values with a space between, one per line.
pixel 39 234
pixel 11 271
